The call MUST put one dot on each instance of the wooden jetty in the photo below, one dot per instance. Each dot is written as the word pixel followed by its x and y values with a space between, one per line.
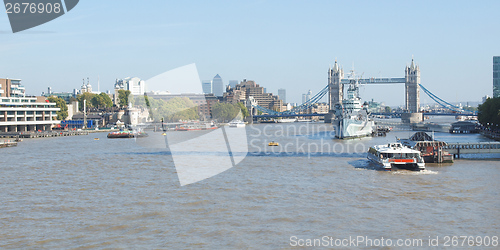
pixel 42 134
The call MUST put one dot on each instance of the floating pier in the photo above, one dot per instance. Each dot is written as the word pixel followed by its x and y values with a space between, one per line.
pixel 42 134
pixel 473 148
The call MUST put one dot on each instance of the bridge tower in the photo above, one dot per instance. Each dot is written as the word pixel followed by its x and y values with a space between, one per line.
pixel 412 95
pixel 412 88
pixel 335 89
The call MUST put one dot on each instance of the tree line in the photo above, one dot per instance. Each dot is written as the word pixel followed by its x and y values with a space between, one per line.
pixel 182 108
pixel 173 110
pixel 101 100
pixel 225 112
pixel 489 113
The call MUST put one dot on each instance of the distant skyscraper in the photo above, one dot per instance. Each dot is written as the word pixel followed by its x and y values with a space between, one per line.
pixel 207 87
pixel 306 97
pixel 282 94
pixel 217 86
pixel 496 76
pixel 134 84
pixel 233 83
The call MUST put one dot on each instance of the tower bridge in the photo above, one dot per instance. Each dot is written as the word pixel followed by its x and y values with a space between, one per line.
pixel 411 80
pixel 335 91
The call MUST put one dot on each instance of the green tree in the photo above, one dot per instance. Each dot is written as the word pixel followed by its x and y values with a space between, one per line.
pixel 225 111
pixel 107 100
pixel 85 96
pixel 60 103
pixel 244 110
pixel 489 112
pixel 387 109
pixel 123 97
pixel 101 100
pixel 472 109
pixel 146 100
pixel 172 110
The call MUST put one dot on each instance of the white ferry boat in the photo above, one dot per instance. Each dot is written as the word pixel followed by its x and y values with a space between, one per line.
pixel 237 124
pixel 396 155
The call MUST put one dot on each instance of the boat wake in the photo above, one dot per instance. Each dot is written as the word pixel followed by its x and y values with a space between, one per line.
pixel 409 172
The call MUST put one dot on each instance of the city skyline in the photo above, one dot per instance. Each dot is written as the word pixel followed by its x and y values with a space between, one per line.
pixel 452 43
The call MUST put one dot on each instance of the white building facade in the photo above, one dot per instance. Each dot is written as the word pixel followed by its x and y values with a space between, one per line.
pixel 27 114
pixel 134 84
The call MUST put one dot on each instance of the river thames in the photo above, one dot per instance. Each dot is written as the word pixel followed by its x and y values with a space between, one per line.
pixel 79 192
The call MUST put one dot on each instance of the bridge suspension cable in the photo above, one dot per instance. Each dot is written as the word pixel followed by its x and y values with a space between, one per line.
pixel 324 91
pixel 299 108
pixel 440 101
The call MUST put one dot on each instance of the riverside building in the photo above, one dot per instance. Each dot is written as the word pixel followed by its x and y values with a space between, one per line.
pixel 246 89
pixel 21 113
pixel 27 114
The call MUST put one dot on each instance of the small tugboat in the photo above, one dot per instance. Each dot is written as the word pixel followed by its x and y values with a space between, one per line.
pixel 396 155
pixel 121 134
pixel 273 144
pixel 127 134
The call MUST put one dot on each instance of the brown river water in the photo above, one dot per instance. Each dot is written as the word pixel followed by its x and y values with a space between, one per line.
pixel 78 192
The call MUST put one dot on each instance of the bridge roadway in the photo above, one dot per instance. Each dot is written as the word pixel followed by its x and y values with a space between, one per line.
pixel 286 115
pixel 473 148
pixel 428 114
pixel 384 114
pixel 376 80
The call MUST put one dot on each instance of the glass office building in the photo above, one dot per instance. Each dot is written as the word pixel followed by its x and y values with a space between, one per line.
pixel 496 76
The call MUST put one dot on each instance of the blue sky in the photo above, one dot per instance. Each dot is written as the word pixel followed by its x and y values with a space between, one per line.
pixel 279 44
